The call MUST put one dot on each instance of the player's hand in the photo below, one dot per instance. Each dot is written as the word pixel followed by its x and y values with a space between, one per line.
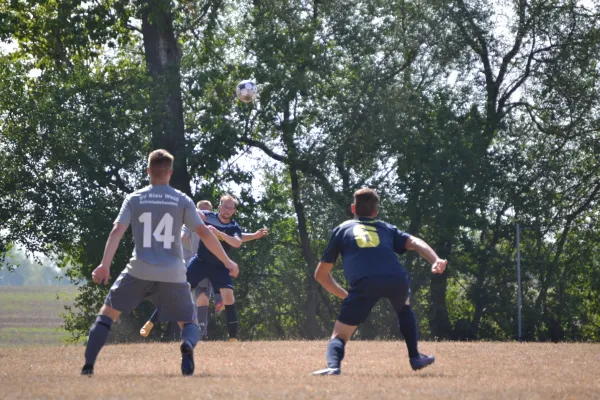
pixel 202 216
pixel 439 266
pixel 101 275
pixel 233 268
pixel 261 232
pixel 215 231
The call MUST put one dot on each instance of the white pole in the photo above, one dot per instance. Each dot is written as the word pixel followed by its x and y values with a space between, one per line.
pixel 519 337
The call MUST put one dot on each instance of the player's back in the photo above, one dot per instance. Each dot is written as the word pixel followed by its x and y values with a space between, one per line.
pixel 368 248
pixel 157 215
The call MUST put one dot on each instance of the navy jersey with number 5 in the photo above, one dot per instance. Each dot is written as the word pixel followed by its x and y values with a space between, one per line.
pixel 368 248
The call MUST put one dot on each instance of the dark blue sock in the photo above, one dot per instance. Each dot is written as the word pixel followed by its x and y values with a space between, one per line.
pixel 408 327
pixel 232 322
pixel 154 317
pixel 97 338
pixel 190 333
pixel 335 352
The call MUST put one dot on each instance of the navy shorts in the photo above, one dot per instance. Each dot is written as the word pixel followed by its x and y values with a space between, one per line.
pixel 363 295
pixel 173 300
pixel 218 275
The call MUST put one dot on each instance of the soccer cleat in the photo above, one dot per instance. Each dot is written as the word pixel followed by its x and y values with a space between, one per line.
pixel 87 370
pixel 421 361
pixel 146 329
pixel 187 359
pixel 219 307
pixel 233 340
pixel 328 371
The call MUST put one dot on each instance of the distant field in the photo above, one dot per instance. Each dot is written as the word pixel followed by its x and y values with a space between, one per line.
pixel 30 315
pixel 281 370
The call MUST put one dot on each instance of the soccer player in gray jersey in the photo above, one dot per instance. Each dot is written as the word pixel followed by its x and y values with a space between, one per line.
pixel 156 270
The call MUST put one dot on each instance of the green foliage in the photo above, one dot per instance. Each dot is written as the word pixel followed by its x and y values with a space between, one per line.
pixel 465 122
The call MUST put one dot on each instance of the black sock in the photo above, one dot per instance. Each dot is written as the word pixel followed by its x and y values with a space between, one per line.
pixel 408 327
pixel 232 322
pixel 190 333
pixel 203 320
pixel 335 352
pixel 154 317
pixel 97 338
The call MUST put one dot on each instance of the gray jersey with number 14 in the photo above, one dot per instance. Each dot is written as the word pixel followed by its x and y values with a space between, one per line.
pixel 156 214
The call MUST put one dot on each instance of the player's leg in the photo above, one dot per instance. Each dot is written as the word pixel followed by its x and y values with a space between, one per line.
pixel 400 300
pixel 219 305
pixel 202 304
pixel 125 294
pixel 230 312
pixel 175 303
pixel 190 336
pixel 221 280
pixel 147 328
pixel 355 310
pixel 97 337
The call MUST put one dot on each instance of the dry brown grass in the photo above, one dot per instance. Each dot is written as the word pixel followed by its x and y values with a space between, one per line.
pixel 278 370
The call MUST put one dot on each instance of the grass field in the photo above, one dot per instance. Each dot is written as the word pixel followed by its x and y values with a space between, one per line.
pixel 30 315
pixel 278 370
pixel 35 363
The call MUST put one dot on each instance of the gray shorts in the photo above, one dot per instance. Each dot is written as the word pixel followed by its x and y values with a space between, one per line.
pixel 204 287
pixel 173 300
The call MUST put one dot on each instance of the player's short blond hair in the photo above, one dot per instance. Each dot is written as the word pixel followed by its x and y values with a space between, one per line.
pixel 160 162
pixel 204 203
pixel 227 196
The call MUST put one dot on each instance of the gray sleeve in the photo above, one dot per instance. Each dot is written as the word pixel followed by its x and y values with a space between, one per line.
pixel 124 216
pixel 191 219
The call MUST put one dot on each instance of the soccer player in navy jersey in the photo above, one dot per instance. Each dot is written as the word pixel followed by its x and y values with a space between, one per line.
pixel 368 248
pixel 205 266
pixel 156 270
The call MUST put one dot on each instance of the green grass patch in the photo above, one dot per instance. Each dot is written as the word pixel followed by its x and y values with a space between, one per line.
pixel 30 315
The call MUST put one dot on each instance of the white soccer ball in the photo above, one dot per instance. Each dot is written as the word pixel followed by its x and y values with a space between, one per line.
pixel 246 91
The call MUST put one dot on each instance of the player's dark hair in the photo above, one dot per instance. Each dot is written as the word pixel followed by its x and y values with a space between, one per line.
pixel 160 163
pixel 366 202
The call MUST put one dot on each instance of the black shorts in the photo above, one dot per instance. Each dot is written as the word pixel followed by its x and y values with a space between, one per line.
pixel 218 275
pixel 367 291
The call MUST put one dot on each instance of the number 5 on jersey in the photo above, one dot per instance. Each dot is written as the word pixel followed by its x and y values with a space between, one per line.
pixel 365 235
pixel 163 232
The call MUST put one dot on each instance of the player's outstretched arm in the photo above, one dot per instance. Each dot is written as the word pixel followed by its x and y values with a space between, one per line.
pixel 233 241
pixel 102 273
pixel 438 265
pixel 246 237
pixel 212 243
pixel 324 277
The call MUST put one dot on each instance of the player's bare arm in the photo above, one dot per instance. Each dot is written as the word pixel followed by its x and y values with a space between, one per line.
pixel 102 273
pixel 233 241
pixel 438 265
pixel 324 277
pixel 262 232
pixel 212 243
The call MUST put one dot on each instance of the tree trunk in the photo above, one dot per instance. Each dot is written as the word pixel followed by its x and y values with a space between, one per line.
pixel 311 327
pixel 439 321
pixel 163 58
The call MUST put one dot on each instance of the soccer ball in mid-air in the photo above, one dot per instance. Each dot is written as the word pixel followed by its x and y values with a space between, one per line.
pixel 246 91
